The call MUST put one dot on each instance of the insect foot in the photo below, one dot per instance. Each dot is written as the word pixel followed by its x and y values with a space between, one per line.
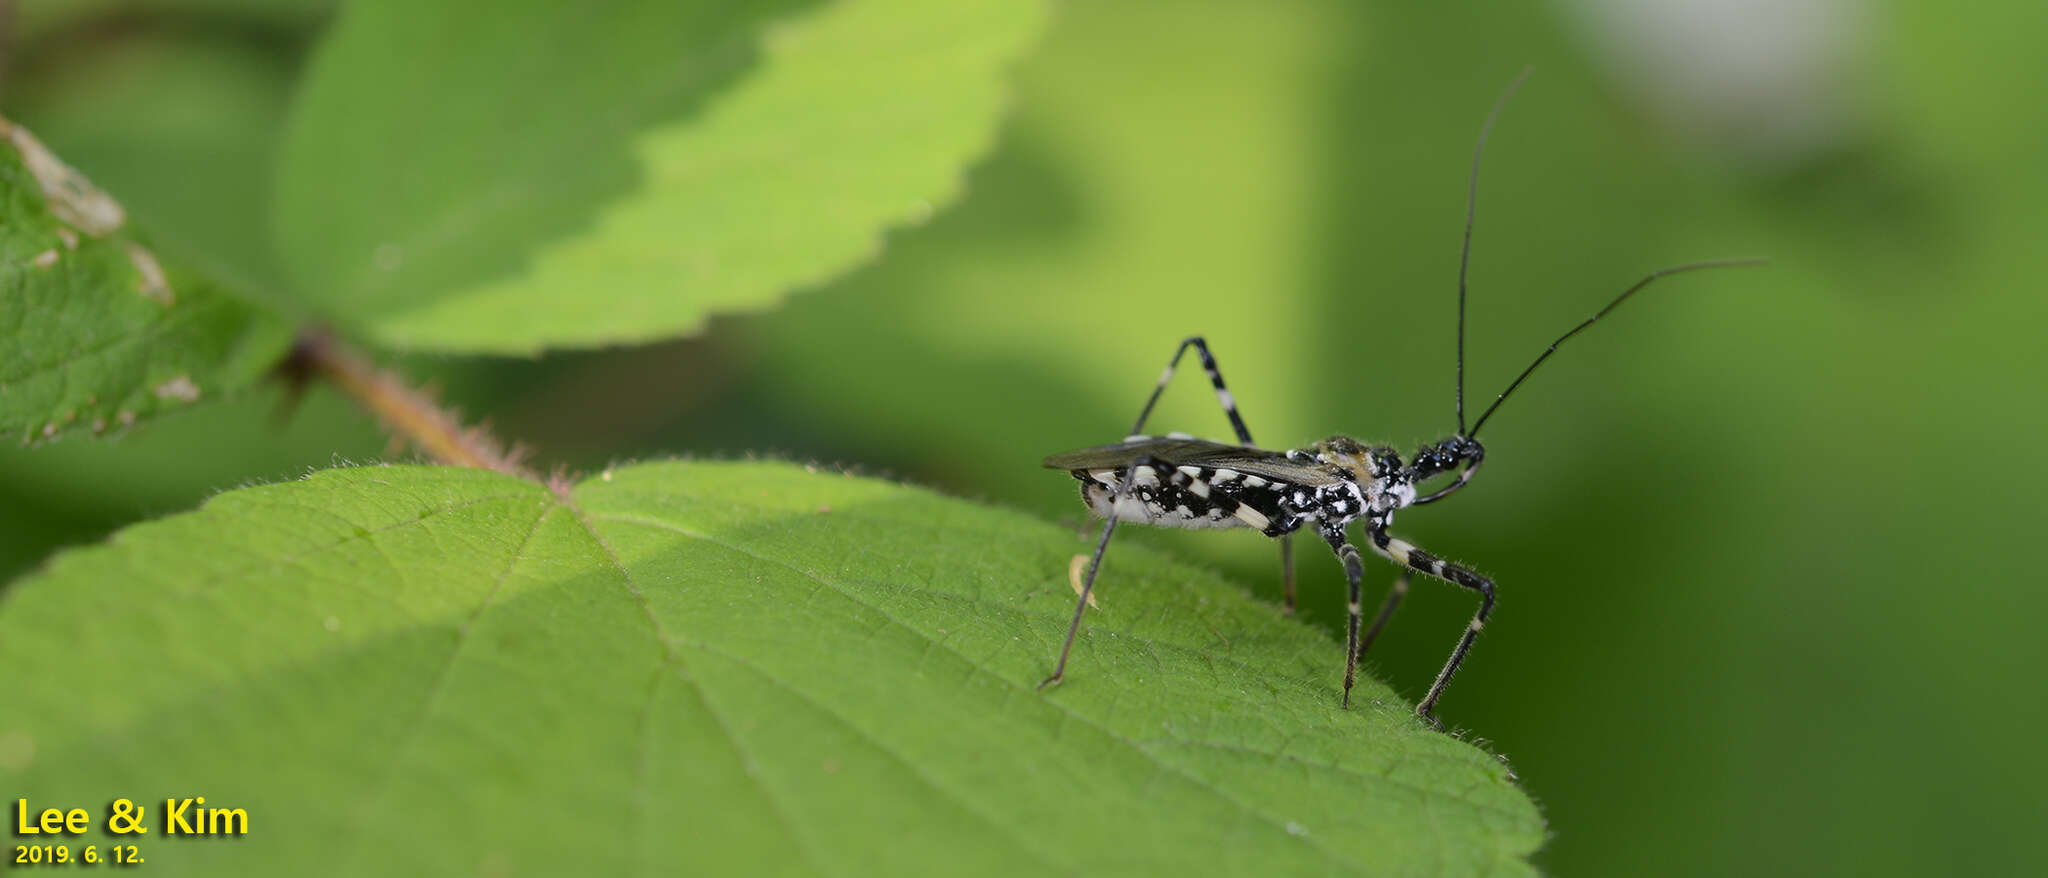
pixel 1430 718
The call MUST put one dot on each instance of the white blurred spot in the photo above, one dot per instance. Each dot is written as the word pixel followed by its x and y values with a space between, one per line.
pixel 72 197
pixel 150 279
pixel 180 388
pixel 1771 81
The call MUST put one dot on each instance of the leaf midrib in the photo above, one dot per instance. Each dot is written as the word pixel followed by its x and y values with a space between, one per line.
pixel 1129 743
pixel 672 662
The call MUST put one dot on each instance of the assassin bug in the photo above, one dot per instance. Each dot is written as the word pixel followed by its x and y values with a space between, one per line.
pixel 1177 480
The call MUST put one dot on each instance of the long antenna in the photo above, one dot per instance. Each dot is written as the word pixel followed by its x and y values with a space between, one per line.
pixel 1721 263
pixel 1471 206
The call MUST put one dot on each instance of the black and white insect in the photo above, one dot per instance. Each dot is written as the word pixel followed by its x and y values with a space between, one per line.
pixel 1177 480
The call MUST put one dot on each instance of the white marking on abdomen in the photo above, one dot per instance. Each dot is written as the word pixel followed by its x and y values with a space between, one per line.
pixel 1129 508
pixel 1137 511
pixel 1253 517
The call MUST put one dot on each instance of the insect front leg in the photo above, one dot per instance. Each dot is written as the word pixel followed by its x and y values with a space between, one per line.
pixel 1427 564
pixel 1123 490
pixel 1244 435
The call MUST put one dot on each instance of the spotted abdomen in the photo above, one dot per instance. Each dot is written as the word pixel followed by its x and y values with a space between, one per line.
pixel 1193 497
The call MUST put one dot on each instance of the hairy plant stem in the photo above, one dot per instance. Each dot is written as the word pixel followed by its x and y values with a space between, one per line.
pixel 410 414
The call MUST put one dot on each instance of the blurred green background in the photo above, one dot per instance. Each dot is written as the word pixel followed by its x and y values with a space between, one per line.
pixel 1765 604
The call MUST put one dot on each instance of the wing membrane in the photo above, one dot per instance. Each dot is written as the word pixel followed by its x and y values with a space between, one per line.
pixel 1260 462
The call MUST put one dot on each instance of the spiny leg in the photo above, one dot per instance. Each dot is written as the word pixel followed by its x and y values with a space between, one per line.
pixel 1244 435
pixel 1123 490
pixel 1393 599
pixel 1430 565
pixel 1354 572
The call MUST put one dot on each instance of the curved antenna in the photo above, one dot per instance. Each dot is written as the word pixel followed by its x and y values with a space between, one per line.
pixel 1695 266
pixel 1471 206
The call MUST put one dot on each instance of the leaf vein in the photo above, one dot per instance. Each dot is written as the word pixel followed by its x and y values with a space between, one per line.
pixel 1196 780
pixel 414 726
pixel 671 656
pixel 967 805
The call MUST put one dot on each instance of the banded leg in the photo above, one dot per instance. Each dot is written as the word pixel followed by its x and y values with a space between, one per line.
pixel 1430 565
pixel 1354 573
pixel 1223 396
pixel 1244 435
pixel 1123 490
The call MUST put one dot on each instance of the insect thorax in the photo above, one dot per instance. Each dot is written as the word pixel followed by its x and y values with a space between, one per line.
pixel 1384 484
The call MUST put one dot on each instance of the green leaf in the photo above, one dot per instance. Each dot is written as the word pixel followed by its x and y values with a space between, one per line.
pixel 95 333
pixel 40 21
pixel 1117 217
pixel 708 668
pixel 184 121
pixel 507 176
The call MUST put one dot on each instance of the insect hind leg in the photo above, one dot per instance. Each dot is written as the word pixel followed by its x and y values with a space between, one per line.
pixel 1223 395
pixel 1244 436
pixel 1129 477
pixel 1415 559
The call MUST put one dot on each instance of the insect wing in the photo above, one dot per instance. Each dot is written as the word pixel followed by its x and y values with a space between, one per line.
pixel 1271 465
pixel 1169 449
